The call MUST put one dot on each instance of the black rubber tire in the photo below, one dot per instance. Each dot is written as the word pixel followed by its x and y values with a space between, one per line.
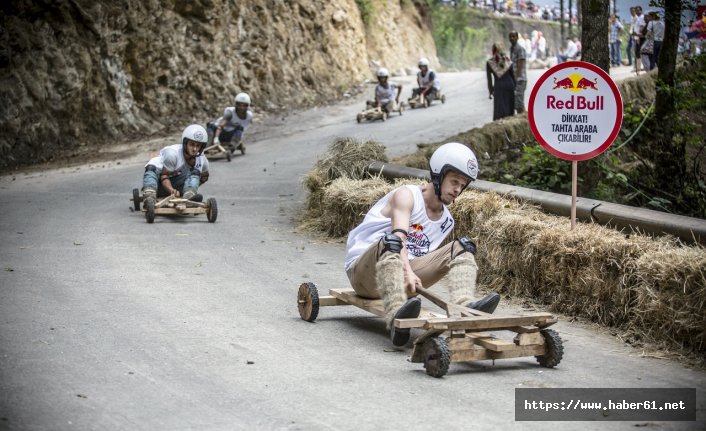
pixel 554 349
pixel 436 357
pixel 242 149
pixel 308 301
pixel 211 210
pixel 384 116
pixel 136 199
pixel 149 210
pixel 427 102
pixel 228 155
pixel 443 99
pixel 359 118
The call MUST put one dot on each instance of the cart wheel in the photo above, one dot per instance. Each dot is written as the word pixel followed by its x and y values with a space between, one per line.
pixel 242 149
pixel 211 210
pixel 228 155
pixel 443 98
pixel 427 102
pixel 554 349
pixel 359 118
pixel 149 210
pixel 436 356
pixel 136 199
pixel 308 301
pixel 401 109
pixel 384 116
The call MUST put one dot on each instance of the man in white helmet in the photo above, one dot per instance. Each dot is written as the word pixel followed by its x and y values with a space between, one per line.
pixel 387 94
pixel 179 169
pixel 232 125
pixel 397 246
pixel 429 84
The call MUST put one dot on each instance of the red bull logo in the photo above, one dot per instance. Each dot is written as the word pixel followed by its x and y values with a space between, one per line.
pixel 576 83
pixel 416 227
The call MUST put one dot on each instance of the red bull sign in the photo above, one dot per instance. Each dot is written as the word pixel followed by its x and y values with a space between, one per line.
pixel 575 110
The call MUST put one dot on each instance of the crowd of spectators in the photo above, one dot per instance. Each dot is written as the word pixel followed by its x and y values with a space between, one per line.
pixel 522 8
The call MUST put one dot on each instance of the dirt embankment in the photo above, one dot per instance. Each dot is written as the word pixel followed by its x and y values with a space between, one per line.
pixel 78 72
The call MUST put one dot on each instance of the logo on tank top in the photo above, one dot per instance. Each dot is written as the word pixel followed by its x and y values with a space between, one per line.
pixel 417 241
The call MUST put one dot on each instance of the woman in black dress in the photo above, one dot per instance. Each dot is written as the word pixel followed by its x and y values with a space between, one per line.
pixel 501 83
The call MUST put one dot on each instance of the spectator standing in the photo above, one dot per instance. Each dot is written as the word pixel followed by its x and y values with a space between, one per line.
pixel 501 83
pixel 615 29
pixel 630 49
pixel 518 55
pixel 655 31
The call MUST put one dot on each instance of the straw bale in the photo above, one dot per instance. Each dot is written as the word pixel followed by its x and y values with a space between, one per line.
pixel 346 201
pixel 671 295
pixel 346 157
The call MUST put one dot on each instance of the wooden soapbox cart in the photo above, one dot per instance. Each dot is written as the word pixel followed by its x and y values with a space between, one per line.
pixel 376 113
pixel 420 101
pixel 459 336
pixel 173 205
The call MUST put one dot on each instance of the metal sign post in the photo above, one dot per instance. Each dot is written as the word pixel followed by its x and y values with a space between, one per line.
pixel 575 112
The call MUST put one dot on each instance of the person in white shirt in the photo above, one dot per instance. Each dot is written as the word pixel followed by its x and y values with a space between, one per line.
pixel 569 53
pixel 398 245
pixel 428 81
pixel 179 169
pixel 638 35
pixel 232 125
pixel 387 94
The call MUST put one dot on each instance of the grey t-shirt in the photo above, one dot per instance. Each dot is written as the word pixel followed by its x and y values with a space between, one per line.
pixel 518 53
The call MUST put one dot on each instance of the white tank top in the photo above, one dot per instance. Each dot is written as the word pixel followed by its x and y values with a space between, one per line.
pixel 423 235
pixel 386 94
pixel 233 122
pixel 424 80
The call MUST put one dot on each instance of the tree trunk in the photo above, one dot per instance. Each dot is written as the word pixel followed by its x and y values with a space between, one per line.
pixel 594 32
pixel 571 31
pixel 561 20
pixel 669 157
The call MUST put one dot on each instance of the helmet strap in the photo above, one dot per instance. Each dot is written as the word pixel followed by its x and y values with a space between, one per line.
pixel 436 180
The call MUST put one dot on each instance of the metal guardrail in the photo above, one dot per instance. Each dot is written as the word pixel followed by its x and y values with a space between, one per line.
pixel 688 229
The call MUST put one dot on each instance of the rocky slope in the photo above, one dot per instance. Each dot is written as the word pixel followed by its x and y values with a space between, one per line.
pixel 81 72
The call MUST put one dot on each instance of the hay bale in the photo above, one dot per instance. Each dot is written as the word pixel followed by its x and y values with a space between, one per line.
pixel 346 157
pixel 671 295
pixel 346 201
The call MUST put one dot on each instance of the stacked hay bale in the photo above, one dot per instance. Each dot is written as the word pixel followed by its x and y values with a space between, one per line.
pixel 652 289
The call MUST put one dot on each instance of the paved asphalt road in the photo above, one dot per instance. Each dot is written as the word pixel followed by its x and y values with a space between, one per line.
pixel 110 323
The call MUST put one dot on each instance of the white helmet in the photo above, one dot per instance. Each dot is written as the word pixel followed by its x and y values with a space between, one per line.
pixel 242 98
pixel 423 62
pixel 452 157
pixel 194 133
pixel 383 73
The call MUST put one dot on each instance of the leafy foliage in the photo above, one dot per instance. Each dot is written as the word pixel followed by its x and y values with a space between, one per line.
pixel 366 10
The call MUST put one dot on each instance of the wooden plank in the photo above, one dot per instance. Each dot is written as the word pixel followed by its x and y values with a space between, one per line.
pixel 328 301
pixel 478 353
pixel 489 322
pixel 490 342
pixel 348 295
pixel 529 338
pixel 164 211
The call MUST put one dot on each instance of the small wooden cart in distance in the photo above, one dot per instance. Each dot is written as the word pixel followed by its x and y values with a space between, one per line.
pixel 460 336
pixel 376 113
pixel 174 205
pixel 421 101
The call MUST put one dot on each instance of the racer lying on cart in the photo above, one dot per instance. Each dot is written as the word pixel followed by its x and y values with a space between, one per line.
pixel 397 246
pixel 229 128
pixel 387 94
pixel 429 84
pixel 179 169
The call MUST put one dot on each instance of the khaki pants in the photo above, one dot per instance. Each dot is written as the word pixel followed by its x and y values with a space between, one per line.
pixel 430 268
